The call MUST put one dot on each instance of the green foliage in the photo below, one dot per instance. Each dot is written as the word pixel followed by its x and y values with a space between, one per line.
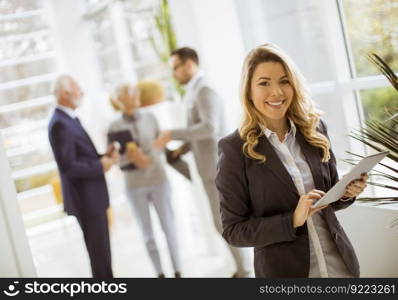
pixel 384 68
pixel 381 136
pixel 380 131
pixel 168 39
pixel 165 28
pixel 377 101
pixel 372 24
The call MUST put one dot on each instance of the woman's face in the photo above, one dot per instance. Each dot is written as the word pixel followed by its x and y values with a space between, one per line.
pixel 130 99
pixel 271 91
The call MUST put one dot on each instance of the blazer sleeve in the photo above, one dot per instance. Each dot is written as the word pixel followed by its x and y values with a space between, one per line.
pixel 334 176
pixel 67 160
pixel 240 227
pixel 208 105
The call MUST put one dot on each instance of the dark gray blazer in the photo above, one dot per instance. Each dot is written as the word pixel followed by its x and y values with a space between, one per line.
pixel 258 201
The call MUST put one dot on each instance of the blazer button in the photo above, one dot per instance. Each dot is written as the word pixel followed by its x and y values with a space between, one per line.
pixel 335 235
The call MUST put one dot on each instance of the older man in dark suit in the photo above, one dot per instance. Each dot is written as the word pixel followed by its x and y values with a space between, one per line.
pixel 82 170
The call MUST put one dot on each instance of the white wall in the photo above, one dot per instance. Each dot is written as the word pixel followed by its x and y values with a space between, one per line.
pixel 15 258
pixel 373 232
pixel 213 29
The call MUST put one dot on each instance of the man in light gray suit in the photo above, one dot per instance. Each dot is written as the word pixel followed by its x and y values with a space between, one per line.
pixel 205 127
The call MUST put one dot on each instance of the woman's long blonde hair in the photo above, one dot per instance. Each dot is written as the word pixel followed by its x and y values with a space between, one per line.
pixel 301 110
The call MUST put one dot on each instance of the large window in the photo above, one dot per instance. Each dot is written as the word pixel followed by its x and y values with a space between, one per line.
pixel 145 39
pixel 106 48
pixel 372 27
pixel 28 65
pixel 128 43
pixel 296 26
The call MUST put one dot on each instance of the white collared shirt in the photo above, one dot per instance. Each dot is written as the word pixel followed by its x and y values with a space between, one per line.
pixel 289 152
pixel 193 81
pixel 69 111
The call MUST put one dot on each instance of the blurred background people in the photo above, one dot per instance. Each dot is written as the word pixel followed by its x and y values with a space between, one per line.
pixel 145 177
pixel 205 127
pixel 103 42
pixel 82 170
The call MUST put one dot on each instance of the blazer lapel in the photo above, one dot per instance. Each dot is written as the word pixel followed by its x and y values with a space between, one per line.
pixel 77 126
pixel 275 165
pixel 312 157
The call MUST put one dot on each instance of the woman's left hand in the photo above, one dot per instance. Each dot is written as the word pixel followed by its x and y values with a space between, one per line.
pixel 356 187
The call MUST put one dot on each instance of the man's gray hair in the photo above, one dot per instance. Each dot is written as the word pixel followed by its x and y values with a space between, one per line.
pixel 62 83
pixel 122 88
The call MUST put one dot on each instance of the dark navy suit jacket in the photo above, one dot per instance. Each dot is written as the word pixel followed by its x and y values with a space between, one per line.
pixel 258 201
pixel 83 183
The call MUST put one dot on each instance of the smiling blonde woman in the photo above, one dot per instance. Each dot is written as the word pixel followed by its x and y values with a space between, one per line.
pixel 271 171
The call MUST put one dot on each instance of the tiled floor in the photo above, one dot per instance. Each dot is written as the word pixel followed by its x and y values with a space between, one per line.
pixel 58 248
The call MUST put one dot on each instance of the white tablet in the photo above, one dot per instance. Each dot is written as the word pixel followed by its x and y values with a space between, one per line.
pixel 338 190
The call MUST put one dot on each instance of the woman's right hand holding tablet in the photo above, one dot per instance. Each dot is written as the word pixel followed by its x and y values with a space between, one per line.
pixel 304 208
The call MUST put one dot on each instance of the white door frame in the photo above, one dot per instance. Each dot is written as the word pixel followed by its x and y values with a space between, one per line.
pixel 16 258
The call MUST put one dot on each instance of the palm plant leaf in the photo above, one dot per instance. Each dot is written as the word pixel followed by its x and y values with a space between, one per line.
pixel 392 117
pixel 168 41
pixel 172 42
pixel 380 200
pixel 385 202
pixel 390 187
pixel 155 46
pixel 354 161
pixel 384 68
pixel 370 199
pixel 381 136
pixel 383 132
pixel 384 175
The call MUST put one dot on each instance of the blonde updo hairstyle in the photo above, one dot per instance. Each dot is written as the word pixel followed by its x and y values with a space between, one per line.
pixel 301 110
pixel 119 91
pixel 150 92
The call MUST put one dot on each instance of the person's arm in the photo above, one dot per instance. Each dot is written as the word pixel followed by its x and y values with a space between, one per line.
pixel 184 149
pixel 143 158
pixel 209 106
pixel 155 151
pixel 139 158
pixel 68 162
pixel 240 228
pixel 334 176
pixel 176 154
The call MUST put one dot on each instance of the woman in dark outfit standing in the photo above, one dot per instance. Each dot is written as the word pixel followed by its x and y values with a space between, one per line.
pixel 274 168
